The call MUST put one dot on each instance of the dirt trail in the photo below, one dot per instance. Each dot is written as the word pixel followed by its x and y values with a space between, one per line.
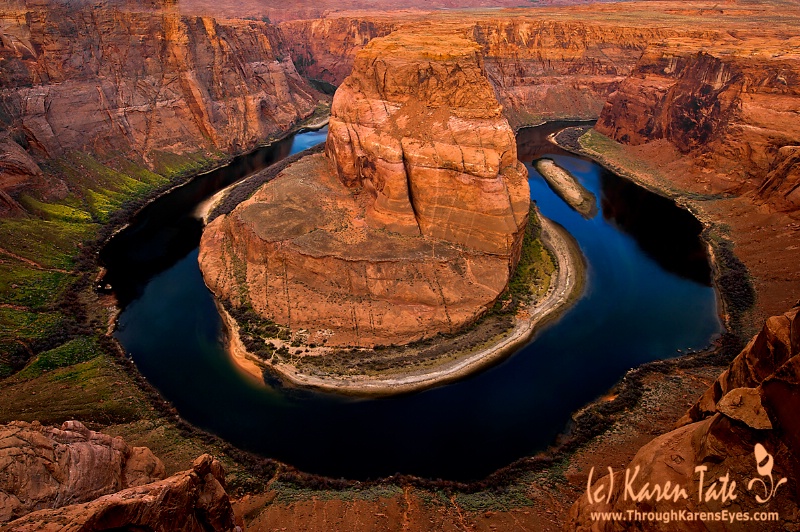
pixel 31 263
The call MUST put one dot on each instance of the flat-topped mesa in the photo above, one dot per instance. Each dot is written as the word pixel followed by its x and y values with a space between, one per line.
pixel 412 223
pixel 417 124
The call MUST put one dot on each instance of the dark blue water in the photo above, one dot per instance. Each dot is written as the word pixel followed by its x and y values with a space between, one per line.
pixel 640 304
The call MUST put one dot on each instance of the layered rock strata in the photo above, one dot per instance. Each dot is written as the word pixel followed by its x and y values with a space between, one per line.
pixel 542 67
pixel 47 467
pixel 409 226
pixel 754 402
pixel 324 49
pixel 139 80
pixel 559 69
pixel 728 107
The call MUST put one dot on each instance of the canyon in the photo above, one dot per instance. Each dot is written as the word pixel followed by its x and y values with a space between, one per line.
pixel 748 405
pixel 695 100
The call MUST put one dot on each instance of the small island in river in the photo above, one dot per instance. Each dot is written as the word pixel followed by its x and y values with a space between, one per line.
pixel 407 254
pixel 567 187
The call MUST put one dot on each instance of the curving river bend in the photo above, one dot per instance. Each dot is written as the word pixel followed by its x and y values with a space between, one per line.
pixel 648 295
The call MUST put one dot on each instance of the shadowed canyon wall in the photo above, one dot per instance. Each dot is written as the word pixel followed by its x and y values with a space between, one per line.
pixel 730 107
pixel 541 67
pixel 137 80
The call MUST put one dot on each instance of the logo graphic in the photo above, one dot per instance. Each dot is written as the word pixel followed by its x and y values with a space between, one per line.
pixel 764 463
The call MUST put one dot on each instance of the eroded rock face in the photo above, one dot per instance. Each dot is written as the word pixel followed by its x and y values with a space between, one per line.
pixel 754 402
pixel 45 467
pixel 193 500
pixel 409 227
pixel 770 350
pixel 540 69
pixel 559 69
pixel 138 78
pixel 325 48
pixel 729 106
pixel 418 126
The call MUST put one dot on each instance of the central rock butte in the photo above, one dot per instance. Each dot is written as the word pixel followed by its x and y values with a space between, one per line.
pixel 409 225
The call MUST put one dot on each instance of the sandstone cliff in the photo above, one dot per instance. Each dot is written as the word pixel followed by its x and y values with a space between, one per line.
pixel 754 402
pixel 140 80
pixel 541 67
pixel 324 49
pixel 278 10
pixel 45 467
pixel 412 224
pixel 559 69
pixel 728 106
pixel 73 478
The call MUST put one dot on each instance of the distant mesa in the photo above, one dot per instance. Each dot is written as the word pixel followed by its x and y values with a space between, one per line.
pixel 409 225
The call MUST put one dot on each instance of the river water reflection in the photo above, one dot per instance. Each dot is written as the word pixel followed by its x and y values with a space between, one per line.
pixel 648 294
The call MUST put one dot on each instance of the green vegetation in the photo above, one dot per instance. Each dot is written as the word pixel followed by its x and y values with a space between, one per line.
pixel 171 165
pixel 41 281
pixel 93 392
pixel 23 286
pixel 53 211
pixel 502 499
pixel 22 333
pixel 50 244
pixel 56 360
pixel 614 156
pixel 75 351
pixel 534 270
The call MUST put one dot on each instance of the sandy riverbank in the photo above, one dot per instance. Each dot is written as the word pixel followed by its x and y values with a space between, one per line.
pixel 565 287
pixel 567 187
pixel 205 208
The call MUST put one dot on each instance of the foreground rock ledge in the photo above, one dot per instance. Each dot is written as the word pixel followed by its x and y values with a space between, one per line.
pixel 73 478
pixel 753 403
pixel 411 224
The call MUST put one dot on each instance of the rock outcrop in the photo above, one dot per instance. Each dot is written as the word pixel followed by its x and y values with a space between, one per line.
pixel 772 349
pixel 418 126
pixel 189 501
pixel 139 79
pixel 74 478
pixel 45 467
pixel 409 227
pixel 728 106
pixel 753 403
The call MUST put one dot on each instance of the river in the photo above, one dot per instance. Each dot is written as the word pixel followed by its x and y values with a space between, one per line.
pixel 648 295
